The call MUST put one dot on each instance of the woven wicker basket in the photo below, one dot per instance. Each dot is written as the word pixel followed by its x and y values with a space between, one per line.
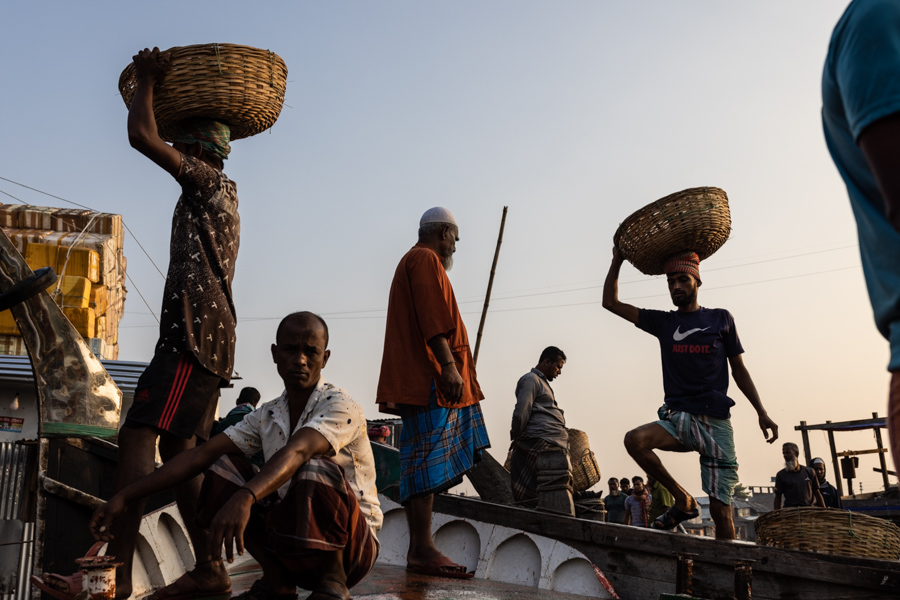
pixel 592 509
pixel 696 219
pixel 829 531
pixel 240 86
pixel 585 471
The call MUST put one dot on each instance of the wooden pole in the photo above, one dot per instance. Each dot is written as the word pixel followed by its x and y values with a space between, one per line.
pixel 884 469
pixel 487 297
pixel 805 435
pixel 837 466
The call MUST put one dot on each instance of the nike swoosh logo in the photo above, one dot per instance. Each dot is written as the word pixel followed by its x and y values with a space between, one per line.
pixel 680 336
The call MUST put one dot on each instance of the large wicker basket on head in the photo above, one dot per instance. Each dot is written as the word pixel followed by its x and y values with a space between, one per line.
pixel 829 531
pixel 240 86
pixel 585 471
pixel 697 219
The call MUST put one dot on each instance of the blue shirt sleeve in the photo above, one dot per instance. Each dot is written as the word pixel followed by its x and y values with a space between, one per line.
pixel 732 342
pixel 651 321
pixel 867 63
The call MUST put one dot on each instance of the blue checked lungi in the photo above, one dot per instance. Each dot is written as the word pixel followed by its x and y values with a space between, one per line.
pixel 438 446
pixel 714 439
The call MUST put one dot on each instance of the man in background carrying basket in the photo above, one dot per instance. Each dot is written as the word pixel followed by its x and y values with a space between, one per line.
pixel 695 343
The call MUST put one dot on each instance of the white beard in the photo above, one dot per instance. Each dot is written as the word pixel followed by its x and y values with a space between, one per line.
pixel 791 465
pixel 447 261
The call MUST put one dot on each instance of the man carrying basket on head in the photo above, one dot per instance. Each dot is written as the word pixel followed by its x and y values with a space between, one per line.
pixel 695 343
pixel 176 396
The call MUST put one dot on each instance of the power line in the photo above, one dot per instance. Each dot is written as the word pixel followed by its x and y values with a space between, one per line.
pixel 11 196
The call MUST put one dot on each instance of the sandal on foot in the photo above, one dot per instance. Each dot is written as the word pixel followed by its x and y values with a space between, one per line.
pixel 673 517
pixel 441 568
pixel 185 588
pixel 330 591
pixel 260 590
pixel 71 582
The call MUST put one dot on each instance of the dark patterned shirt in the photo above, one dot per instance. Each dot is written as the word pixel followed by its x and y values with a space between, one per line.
pixel 198 309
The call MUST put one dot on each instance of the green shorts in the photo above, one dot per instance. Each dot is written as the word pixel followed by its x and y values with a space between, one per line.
pixel 714 440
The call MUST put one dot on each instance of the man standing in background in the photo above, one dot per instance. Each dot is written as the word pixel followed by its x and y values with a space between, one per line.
pixel 615 503
pixel 538 423
pixel 795 483
pixel 661 500
pixel 244 405
pixel 829 493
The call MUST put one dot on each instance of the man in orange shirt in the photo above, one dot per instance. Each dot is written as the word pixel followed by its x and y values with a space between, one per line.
pixel 428 378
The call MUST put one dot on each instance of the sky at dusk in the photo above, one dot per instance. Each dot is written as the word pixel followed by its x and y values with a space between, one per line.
pixel 572 114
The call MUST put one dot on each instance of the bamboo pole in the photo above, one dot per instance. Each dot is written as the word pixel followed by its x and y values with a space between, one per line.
pixel 487 297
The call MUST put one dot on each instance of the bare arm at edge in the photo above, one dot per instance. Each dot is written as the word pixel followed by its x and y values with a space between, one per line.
pixel 611 291
pixel 745 383
pixel 880 143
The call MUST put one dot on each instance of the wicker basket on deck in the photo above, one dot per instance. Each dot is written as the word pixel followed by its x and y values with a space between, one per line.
pixel 591 509
pixel 697 219
pixel 829 531
pixel 585 471
pixel 240 86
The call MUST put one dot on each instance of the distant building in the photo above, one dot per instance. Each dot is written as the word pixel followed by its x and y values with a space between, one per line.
pixel 745 514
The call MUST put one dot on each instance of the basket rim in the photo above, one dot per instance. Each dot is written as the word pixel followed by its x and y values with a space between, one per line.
pixel 707 200
pixel 268 100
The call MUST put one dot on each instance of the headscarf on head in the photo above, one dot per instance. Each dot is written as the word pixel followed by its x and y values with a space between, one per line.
pixel 212 135
pixel 379 431
pixel 684 262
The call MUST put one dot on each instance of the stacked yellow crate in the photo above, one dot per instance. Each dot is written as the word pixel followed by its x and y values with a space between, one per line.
pixel 85 250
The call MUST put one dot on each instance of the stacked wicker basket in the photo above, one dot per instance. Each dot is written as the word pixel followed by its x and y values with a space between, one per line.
pixel 696 219
pixel 240 86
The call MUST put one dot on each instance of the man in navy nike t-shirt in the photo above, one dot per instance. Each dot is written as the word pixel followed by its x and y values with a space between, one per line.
pixel 696 345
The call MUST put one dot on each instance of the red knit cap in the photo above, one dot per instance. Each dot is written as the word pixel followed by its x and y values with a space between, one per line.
pixel 379 431
pixel 684 262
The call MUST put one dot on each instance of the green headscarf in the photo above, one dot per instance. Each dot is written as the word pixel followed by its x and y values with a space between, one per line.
pixel 212 135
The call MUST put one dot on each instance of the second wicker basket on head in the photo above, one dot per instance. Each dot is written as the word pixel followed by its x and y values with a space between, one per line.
pixel 240 86
pixel 696 219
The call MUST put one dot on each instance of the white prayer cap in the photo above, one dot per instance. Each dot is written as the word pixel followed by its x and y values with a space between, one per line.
pixel 438 214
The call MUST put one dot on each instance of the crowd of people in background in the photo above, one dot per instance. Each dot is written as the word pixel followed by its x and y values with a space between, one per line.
pixel 636 502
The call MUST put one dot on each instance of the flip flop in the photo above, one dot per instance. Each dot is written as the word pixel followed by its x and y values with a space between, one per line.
pixel 673 517
pixel 330 592
pixel 260 590
pixel 72 582
pixel 437 568
pixel 185 588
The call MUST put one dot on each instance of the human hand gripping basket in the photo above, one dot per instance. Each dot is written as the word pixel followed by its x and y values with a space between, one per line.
pixel 696 219
pixel 829 531
pixel 240 86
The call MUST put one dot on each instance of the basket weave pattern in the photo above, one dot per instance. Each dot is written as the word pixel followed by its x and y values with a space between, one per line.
pixel 829 531
pixel 240 86
pixel 696 219
pixel 592 509
pixel 585 470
